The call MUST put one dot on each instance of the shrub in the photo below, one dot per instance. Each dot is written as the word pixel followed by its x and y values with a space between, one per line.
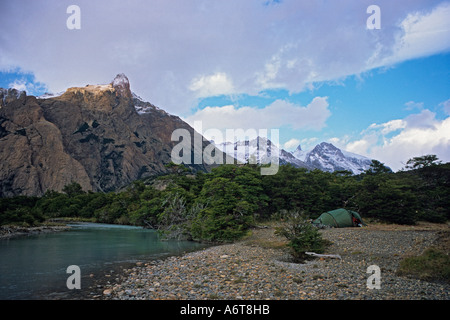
pixel 433 264
pixel 302 236
pixel 387 199
pixel 174 219
pixel 225 215
pixel 20 216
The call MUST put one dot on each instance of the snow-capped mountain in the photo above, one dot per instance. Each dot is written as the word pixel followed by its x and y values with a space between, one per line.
pixel 259 150
pixel 327 157
pixel 324 156
pixel 299 153
pixel 122 85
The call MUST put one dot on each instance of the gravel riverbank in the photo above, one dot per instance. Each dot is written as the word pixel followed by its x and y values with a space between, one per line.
pixel 7 232
pixel 258 268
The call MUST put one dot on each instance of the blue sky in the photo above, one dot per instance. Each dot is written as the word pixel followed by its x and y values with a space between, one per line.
pixel 311 69
pixel 356 102
pixel 378 96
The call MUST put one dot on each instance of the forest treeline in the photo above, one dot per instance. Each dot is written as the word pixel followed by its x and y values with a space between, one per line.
pixel 223 204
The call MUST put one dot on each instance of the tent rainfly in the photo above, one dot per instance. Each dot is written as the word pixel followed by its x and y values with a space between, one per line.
pixel 339 218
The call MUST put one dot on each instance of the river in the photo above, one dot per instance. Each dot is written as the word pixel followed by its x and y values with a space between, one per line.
pixel 35 267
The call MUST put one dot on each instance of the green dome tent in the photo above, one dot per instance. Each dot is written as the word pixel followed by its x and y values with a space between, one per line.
pixel 339 218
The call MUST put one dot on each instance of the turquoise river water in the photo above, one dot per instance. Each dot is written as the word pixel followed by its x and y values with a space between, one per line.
pixel 35 267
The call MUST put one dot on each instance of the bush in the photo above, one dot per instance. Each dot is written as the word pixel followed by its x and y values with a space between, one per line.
pixel 225 215
pixel 387 199
pixel 174 218
pixel 433 264
pixel 302 236
pixel 20 216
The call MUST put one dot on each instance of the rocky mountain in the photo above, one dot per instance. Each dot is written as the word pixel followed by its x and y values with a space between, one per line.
pixel 101 136
pixel 327 157
pixel 260 150
pixel 324 156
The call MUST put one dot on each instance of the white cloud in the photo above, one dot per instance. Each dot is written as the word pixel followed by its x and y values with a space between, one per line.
pixel 423 34
pixel 291 144
pixel 29 86
pixel 389 126
pixel 411 105
pixel 308 143
pixel 176 51
pixel 19 85
pixel 446 106
pixel 415 135
pixel 424 119
pixel 277 114
pixel 212 85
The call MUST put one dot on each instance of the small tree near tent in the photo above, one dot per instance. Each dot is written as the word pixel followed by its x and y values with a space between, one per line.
pixel 301 234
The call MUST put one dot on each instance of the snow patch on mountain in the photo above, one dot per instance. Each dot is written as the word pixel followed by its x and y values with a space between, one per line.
pixel 49 95
pixel 299 153
pixel 122 85
pixel 120 80
pixel 143 107
pixel 259 150
pixel 324 156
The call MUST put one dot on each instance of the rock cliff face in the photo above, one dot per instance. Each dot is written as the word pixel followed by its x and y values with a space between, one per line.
pixel 101 136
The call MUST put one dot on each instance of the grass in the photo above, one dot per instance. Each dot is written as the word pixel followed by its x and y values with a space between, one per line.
pixel 432 265
pixel 265 237
pixel 214 296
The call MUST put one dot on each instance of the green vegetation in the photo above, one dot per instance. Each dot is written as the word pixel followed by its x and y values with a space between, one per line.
pixel 433 264
pixel 302 235
pixel 222 205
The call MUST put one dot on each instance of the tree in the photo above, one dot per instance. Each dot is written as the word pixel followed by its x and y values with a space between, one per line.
pixel 226 215
pixel 376 167
pixel 432 188
pixel 73 189
pixel 388 198
pixel 422 162
pixel 174 216
pixel 302 235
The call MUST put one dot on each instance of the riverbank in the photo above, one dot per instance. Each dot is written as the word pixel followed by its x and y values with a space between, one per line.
pixel 7 232
pixel 259 268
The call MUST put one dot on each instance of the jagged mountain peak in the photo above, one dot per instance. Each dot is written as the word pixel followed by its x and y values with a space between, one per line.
pixel 100 136
pixel 299 153
pixel 327 148
pixel 8 95
pixel 324 156
pixel 120 78
pixel 122 85
pixel 262 150
pixel 327 157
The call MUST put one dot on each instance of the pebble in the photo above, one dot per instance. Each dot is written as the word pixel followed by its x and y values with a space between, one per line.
pixel 247 271
pixel 107 292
